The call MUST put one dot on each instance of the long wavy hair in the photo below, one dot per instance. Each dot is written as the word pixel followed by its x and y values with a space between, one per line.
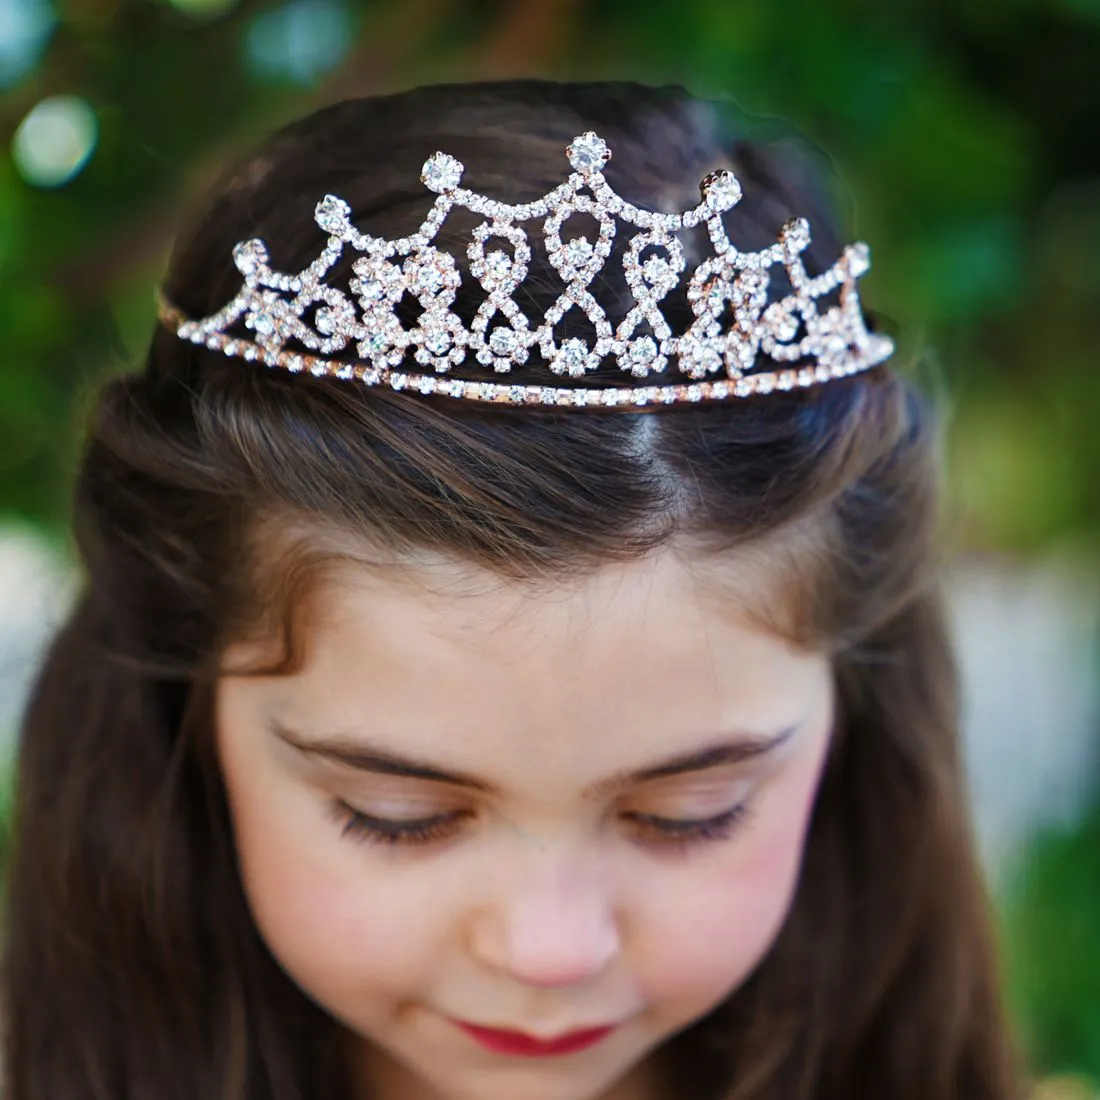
pixel 132 969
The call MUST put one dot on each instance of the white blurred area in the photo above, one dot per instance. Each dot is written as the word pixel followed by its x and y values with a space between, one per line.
pixel 36 587
pixel 1028 639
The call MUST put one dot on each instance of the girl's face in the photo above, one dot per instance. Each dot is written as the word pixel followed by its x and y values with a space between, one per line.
pixel 481 807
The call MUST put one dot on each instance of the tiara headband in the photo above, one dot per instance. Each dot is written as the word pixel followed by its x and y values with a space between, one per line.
pixel 277 308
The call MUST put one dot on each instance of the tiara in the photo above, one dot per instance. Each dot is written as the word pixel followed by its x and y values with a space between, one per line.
pixel 806 346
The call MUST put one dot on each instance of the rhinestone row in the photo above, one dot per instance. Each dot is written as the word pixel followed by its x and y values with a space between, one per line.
pixel 764 382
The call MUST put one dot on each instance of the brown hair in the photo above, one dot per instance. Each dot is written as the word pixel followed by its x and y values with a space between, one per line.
pixel 132 967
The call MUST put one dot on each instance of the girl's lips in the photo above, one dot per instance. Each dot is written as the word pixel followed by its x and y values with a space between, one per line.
pixel 517 1043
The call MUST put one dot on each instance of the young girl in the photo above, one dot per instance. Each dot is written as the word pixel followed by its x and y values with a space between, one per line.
pixel 511 664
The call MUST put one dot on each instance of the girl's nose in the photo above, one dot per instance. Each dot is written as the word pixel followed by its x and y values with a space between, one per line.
pixel 556 927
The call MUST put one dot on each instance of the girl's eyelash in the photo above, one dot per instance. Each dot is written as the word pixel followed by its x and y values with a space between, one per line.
pixel 681 834
pixel 361 826
pixel 660 831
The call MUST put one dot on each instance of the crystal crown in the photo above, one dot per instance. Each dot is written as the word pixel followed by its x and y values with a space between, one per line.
pixel 734 330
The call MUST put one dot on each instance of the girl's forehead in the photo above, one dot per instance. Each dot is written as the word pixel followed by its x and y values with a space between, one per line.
pixel 639 644
pixel 447 596
pixel 451 598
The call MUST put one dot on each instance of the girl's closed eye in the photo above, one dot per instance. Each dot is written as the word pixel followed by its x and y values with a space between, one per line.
pixel 384 830
pixel 695 810
pixel 682 833
pixel 652 829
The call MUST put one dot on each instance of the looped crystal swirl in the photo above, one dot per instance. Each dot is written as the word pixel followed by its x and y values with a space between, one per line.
pixel 721 359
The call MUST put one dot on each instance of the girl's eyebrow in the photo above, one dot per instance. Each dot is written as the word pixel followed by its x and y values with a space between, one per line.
pixel 363 756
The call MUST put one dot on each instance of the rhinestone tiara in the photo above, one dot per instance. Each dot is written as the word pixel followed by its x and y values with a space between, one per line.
pixel 816 345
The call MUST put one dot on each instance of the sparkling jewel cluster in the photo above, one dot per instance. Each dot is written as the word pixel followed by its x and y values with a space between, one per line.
pixel 278 308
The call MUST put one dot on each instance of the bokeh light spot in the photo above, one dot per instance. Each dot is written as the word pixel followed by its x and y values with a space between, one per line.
pixel 25 27
pixel 300 41
pixel 55 140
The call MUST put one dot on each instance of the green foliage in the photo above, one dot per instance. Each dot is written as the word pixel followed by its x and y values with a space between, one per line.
pixel 1053 929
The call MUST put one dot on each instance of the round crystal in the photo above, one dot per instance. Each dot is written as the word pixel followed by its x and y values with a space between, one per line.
pixel 497 265
pixel 709 358
pixel 753 281
pixel 702 359
pixel 429 278
pixel 656 271
pixel 439 342
pixel 579 251
pixel 717 295
pixel 642 352
pixel 375 279
pixel 503 341
pixel 371 290
pixel 250 256
pixel 441 173
pixel 588 153
pixel 336 316
pixel 859 259
pixel 573 356
pixel 721 190
pixel 743 352
pixel 332 214
pixel 781 322
pixel 263 324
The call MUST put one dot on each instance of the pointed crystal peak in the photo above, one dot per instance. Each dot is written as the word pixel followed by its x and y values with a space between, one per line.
pixel 250 256
pixel 588 153
pixel 441 173
pixel 721 190
pixel 858 256
pixel 332 215
pixel 795 235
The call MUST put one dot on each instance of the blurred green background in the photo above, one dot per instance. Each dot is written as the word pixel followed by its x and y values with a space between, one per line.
pixel 966 136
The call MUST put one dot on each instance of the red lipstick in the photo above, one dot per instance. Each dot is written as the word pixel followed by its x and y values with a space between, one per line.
pixel 526 1046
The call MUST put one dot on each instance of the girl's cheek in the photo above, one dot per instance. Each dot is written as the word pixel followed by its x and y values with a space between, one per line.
pixel 299 876
pixel 710 929
pixel 327 921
